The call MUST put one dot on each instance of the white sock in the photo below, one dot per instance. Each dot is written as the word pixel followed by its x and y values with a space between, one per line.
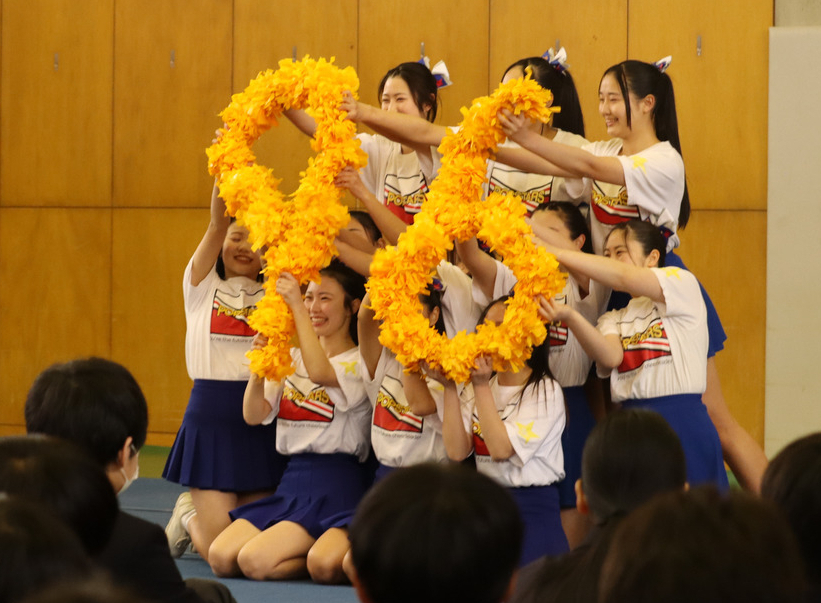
pixel 187 518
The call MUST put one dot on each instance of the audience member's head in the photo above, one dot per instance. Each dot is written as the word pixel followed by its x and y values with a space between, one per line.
pixel 793 482
pixel 702 546
pixel 91 590
pixel 36 550
pixel 629 457
pixel 435 533
pixel 96 404
pixel 64 479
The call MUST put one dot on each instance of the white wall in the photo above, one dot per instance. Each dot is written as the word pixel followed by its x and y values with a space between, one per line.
pixel 793 380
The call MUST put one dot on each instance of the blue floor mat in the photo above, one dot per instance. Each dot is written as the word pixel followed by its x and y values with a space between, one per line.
pixel 153 499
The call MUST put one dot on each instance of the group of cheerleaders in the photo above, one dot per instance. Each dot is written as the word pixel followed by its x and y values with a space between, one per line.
pixel 275 470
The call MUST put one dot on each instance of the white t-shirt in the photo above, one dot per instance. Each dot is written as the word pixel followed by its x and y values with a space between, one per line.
pixel 322 420
pixel 217 333
pixel 665 344
pixel 459 311
pixel 534 425
pixel 568 361
pixel 399 437
pixel 532 189
pixel 654 185
pixel 400 181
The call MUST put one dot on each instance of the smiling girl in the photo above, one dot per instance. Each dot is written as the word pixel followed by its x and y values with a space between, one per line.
pixel 224 461
pixel 655 349
pixel 323 418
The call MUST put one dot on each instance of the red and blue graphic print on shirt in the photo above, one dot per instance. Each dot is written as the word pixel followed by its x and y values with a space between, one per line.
pixel 392 416
pixel 294 405
pixel 229 317
pixel 652 343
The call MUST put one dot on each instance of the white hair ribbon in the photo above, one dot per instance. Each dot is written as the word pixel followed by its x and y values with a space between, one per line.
pixel 439 71
pixel 663 64
pixel 557 59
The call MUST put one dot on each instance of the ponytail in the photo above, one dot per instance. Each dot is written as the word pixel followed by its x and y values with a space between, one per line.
pixel 642 79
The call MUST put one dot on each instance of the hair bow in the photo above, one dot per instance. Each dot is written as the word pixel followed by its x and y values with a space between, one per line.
pixel 663 64
pixel 439 71
pixel 557 59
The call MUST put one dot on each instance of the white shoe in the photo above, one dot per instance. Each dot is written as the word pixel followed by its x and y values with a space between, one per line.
pixel 178 537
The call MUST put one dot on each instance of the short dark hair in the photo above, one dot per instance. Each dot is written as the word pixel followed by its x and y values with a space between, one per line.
pixel 93 402
pixel 38 550
pixel 436 533
pixel 63 478
pixel 630 456
pixel 703 546
pixel 792 481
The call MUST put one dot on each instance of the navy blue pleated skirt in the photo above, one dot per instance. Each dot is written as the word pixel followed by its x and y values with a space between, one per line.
pixel 216 449
pixel 317 491
pixel 539 507
pixel 688 417
pixel 580 422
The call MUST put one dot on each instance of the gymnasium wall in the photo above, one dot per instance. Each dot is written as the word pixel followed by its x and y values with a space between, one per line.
pixel 107 107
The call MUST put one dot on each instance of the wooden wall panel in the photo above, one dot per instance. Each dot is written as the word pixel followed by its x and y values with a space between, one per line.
pixel 55 130
pixel 523 28
pixel 455 31
pixel 721 95
pixel 55 298
pixel 148 320
pixel 165 112
pixel 267 32
pixel 727 251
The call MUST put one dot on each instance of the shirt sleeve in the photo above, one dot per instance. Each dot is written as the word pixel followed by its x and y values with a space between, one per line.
pixel 458 306
pixel 654 179
pixel 376 157
pixel 682 296
pixel 351 389
pixel 195 295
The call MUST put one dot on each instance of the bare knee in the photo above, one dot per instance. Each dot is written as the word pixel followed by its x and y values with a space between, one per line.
pixel 253 565
pixel 223 563
pixel 325 569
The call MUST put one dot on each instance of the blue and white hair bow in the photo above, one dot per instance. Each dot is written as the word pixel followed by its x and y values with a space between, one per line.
pixel 557 59
pixel 663 64
pixel 439 71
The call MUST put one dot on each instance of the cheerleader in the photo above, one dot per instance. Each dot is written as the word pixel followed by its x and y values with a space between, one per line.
pixel 322 416
pixel 513 422
pixel 393 185
pixel 563 225
pixel 224 461
pixel 655 349
pixel 639 173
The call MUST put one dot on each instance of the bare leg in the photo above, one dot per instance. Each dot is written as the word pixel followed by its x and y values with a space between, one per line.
pixel 347 566
pixel 741 452
pixel 576 526
pixel 326 557
pixel 278 553
pixel 224 551
pixel 212 517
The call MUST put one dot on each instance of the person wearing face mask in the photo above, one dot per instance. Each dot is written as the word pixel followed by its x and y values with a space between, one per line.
pixel 98 405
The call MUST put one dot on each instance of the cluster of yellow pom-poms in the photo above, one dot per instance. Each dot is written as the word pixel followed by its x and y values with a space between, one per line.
pixel 299 231
pixel 453 210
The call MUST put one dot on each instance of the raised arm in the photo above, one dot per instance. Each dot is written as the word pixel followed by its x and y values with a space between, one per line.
pixel 493 428
pixel 255 408
pixel 417 393
pixel 605 350
pixel 415 132
pixel 368 329
pixel 210 246
pixel 320 370
pixel 457 437
pixel 635 280
pixel 575 162
pixel 481 266
pixel 389 224
pixel 304 122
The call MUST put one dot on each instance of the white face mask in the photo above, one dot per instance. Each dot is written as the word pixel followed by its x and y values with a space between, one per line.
pixel 130 480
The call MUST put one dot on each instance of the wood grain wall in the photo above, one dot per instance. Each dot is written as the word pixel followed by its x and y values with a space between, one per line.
pixel 108 105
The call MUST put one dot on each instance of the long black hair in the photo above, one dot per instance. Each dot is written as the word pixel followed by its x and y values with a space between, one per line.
pixel 643 79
